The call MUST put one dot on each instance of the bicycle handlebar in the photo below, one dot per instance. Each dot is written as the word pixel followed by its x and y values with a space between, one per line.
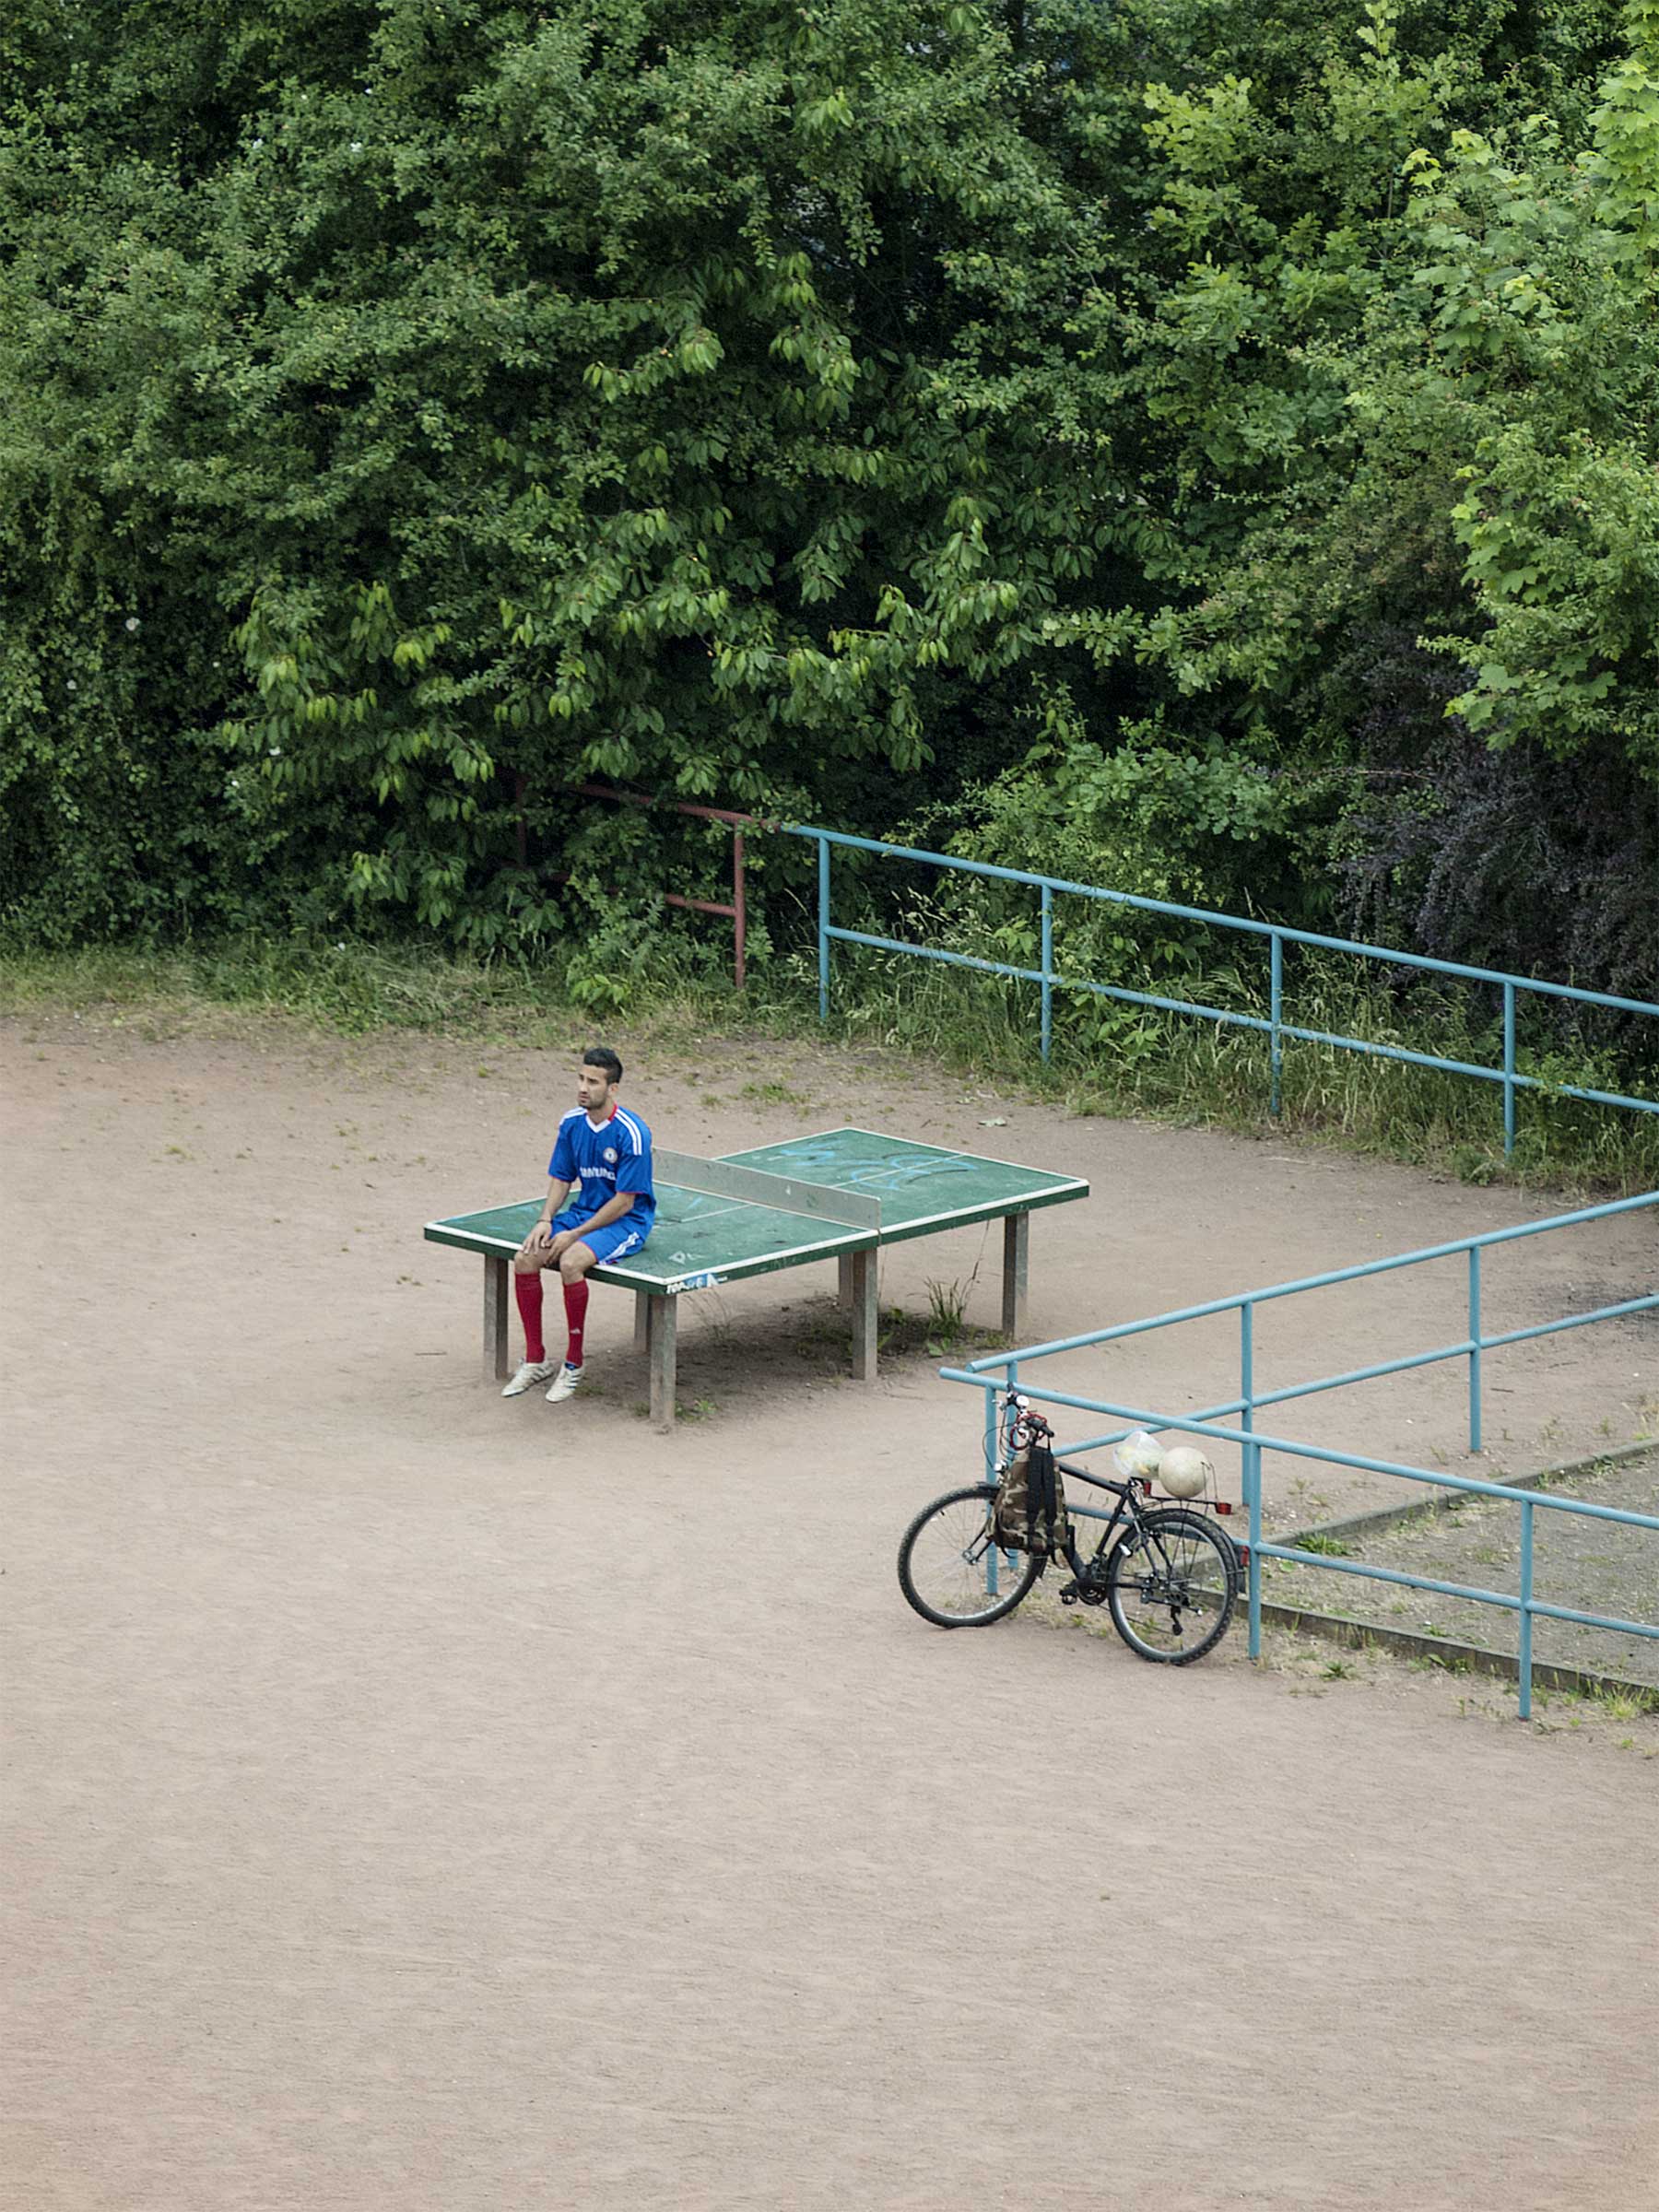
pixel 1022 1417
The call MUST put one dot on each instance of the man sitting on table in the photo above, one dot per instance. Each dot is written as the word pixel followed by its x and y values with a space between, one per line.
pixel 605 1156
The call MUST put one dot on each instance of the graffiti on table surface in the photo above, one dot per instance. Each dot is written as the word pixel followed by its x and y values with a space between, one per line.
pixel 896 1173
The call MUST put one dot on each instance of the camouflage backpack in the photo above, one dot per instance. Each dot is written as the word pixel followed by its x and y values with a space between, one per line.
pixel 1031 1504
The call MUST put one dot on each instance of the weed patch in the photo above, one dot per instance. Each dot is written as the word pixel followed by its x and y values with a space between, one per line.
pixel 1106 1058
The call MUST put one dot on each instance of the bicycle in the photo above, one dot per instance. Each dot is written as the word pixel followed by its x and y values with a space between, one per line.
pixel 1168 1576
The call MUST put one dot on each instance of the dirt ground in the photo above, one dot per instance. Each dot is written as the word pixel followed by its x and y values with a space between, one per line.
pixel 418 1801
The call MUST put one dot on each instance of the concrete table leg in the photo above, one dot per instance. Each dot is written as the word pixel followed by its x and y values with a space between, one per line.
pixel 844 1285
pixel 663 1328
pixel 496 1305
pixel 641 1320
pixel 1016 1262
pixel 865 1317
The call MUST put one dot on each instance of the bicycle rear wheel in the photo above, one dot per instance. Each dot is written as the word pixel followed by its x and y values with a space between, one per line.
pixel 952 1572
pixel 1171 1583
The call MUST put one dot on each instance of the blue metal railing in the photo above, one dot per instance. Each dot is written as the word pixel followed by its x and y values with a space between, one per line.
pixel 1272 1026
pixel 1212 1422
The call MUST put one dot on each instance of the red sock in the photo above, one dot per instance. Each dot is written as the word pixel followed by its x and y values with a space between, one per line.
pixel 527 1290
pixel 576 1314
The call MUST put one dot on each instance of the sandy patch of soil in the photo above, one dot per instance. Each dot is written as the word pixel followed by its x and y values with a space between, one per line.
pixel 416 1800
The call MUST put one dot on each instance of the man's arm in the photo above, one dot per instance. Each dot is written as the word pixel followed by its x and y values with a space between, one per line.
pixel 541 1234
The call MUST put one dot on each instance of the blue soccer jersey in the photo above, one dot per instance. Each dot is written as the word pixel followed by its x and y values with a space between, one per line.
pixel 598 1163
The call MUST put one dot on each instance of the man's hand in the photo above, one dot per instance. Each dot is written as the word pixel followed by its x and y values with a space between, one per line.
pixel 541 1234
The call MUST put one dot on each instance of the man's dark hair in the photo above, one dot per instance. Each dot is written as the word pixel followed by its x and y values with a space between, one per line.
pixel 601 1056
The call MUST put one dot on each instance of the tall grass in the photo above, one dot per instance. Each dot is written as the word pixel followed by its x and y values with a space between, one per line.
pixel 350 987
pixel 1107 1058
pixel 1115 1059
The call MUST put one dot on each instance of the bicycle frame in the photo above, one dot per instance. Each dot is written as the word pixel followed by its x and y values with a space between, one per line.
pixel 1154 1567
pixel 1125 1512
pixel 1129 1491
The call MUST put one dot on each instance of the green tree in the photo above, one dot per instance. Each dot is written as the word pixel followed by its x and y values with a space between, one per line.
pixel 1421 425
pixel 1145 422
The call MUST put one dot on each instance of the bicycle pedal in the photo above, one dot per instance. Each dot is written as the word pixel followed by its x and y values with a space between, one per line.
pixel 1069 1593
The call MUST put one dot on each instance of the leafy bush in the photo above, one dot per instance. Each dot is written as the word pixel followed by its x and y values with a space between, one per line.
pixel 804 411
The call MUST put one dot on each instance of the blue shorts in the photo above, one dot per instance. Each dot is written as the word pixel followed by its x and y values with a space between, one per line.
pixel 616 1241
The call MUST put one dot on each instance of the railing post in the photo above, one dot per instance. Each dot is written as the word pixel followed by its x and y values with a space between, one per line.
pixel 1048 963
pixel 993 1564
pixel 823 846
pixel 1524 1658
pixel 739 919
pixel 1276 991
pixel 1509 1069
pixel 1252 1468
pixel 1475 1348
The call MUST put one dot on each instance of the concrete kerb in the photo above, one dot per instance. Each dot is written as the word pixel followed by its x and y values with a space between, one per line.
pixel 1476 1658
pixel 1473 1658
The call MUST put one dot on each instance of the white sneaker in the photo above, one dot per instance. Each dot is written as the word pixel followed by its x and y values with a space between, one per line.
pixel 531 1372
pixel 565 1383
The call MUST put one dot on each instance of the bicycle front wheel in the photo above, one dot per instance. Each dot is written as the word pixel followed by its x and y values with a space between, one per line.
pixel 951 1569
pixel 1171 1583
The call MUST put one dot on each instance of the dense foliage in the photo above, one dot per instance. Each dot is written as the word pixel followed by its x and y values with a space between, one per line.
pixel 1206 447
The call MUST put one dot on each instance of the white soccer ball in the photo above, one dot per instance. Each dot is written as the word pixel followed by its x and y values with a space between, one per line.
pixel 1184 1471
pixel 1137 1454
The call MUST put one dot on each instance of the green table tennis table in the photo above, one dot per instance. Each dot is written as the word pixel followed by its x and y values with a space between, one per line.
pixel 839 1196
